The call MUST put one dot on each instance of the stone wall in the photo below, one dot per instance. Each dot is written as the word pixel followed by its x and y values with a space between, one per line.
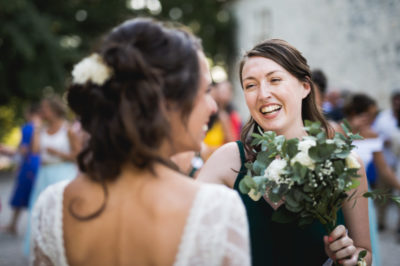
pixel 356 42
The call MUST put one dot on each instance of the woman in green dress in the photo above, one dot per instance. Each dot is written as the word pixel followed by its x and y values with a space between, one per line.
pixel 280 95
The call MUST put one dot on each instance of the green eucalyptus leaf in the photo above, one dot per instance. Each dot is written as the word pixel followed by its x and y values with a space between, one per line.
pixel 263 156
pixel 283 216
pixel 346 126
pixel 259 167
pixel 248 180
pixel 293 208
pixel 249 166
pixel 291 147
pixel 354 184
pixel 305 221
pixel 274 197
pixel 362 254
pixel 313 153
pixel 356 137
pixel 321 136
pixel 341 184
pixel 243 188
pixel 307 188
pixel 396 199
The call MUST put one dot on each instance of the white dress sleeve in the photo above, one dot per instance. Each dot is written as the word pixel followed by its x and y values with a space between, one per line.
pixel 216 232
pixel 47 235
pixel 237 243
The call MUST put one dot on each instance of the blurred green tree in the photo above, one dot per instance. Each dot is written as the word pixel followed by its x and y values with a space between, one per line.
pixel 40 40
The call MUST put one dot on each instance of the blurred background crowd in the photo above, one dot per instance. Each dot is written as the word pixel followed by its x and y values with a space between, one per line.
pixel 352 46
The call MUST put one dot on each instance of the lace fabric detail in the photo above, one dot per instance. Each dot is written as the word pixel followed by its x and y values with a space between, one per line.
pixel 47 234
pixel 216 230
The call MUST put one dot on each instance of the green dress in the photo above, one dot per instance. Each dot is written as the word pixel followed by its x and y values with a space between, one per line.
pixel 276 243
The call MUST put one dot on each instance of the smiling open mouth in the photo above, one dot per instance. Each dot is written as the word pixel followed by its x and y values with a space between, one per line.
pixel 270 109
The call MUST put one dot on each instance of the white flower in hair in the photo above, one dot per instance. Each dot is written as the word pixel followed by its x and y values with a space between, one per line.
pixel 93 69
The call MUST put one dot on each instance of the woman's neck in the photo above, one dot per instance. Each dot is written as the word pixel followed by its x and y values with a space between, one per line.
pixel 293 132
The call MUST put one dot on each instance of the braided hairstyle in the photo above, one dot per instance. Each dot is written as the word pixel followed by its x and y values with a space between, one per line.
pixel 154 68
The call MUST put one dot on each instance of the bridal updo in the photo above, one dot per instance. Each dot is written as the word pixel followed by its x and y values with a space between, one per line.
pixel 121 93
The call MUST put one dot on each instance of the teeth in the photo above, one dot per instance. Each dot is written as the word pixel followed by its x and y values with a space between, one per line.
pixel 270 108
pixel 205 127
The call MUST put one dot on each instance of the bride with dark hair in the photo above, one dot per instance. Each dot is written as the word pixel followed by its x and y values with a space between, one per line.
pixel 142 97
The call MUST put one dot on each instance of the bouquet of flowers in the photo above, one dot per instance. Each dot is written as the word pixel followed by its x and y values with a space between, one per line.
pixel 313 175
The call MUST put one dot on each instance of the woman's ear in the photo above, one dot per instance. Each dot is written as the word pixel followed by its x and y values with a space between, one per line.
pixel 306 89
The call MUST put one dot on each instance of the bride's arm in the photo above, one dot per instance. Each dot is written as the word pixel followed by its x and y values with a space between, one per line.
pixel 222 167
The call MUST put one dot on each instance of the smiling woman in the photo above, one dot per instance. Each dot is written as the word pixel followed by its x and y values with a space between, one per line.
pixel 280 96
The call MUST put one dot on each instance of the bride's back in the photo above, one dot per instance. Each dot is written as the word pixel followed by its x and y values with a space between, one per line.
pixel 133 97
pixel 143 97
pixel 142 223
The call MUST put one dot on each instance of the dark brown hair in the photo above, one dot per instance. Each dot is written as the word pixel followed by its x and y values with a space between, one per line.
pixel 292 60
pixel 358 104
pixel 154 68
pixel 56 105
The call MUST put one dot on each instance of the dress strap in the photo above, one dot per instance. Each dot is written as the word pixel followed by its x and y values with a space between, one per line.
pixel 241 151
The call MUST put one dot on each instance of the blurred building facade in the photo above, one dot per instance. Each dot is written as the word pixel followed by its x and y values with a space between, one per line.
pixel 356 42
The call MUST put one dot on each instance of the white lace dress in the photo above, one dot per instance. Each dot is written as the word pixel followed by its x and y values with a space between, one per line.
pixel 216 230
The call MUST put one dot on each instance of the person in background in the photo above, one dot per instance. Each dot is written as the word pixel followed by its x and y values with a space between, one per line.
pixel 395 146
pixel 225 105
pixel 333 105
pixel 320 80
pixel 58 147
pixel 225 125
pixel 360 111
pixel 27 170
pixel 385 125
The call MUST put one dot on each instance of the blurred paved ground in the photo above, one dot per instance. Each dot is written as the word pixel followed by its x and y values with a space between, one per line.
pixel 11 246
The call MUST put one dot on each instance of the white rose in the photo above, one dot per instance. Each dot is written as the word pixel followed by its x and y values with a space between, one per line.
pixel 306 144
pixel 275 170
pixel 352 162
pixel 253 195
pixel 92 69
pixel 362 263
pixel 303 158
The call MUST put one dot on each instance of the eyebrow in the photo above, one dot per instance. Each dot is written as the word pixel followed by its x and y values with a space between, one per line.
pixel 268 74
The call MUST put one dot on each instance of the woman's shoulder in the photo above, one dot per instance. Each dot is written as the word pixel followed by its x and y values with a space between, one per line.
pixel 52 193
pixel 223 165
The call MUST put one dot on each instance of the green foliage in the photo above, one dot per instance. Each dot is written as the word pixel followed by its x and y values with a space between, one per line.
pixel 315 179
pixel 382 196
pixel 40 40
